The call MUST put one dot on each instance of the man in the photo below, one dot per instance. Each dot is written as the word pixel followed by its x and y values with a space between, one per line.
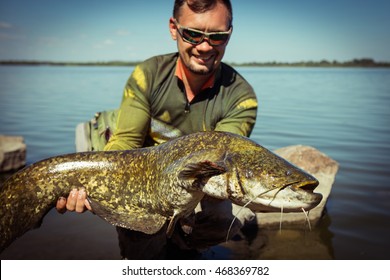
pixel 185 92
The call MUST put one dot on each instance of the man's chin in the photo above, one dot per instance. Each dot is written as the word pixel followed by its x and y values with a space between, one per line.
pixel 201 69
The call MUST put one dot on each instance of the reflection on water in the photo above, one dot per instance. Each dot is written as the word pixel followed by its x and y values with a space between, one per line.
pixel 342 112
pixel 290 243
pixel 74 236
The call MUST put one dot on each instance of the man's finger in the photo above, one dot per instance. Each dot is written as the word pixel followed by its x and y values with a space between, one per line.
pixel 80 202
pixel 72 200
pixel 88 205
pixel 61 205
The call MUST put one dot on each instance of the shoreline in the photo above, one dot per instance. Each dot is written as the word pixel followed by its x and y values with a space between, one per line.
pixel 365 62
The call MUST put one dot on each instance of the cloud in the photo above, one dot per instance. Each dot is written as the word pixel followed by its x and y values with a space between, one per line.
pixel 5 25
pixel 108 42
pixel 122 32
pixel 8 32
pixel 104 44
pixel 51 41
pixel 8 37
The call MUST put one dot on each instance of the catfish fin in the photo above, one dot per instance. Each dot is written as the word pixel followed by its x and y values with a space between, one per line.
pixel 171 226
pixel 202 170
pixel 138 219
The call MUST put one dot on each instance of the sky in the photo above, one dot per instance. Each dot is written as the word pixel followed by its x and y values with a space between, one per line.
pixel 264 30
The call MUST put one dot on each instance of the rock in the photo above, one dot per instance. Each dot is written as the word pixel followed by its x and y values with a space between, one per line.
pixel 12 153
pixel 270 237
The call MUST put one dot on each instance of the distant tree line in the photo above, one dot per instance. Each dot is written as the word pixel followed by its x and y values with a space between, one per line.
pixel 56 63
pixel 364 62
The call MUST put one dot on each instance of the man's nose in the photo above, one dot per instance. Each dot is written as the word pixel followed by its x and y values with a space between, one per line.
pixel 204 46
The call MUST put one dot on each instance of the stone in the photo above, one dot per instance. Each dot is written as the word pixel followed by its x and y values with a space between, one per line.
pixel 289 236
pixel 12 153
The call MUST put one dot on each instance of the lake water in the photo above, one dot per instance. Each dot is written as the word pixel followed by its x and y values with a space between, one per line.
pixel 344 113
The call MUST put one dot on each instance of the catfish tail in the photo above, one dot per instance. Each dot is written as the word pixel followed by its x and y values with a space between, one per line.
pixel 28 195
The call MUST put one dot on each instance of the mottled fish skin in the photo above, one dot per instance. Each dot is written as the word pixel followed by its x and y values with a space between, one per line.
pixel 142 189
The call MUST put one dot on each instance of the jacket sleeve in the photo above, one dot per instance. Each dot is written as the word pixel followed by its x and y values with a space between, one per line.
pixel 134 114
pixel 240 113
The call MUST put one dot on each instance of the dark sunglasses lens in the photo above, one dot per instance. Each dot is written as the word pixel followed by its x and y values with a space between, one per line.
pixel 192 36
pixel 218 39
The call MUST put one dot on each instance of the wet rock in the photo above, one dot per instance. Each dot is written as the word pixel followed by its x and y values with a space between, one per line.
pixel 12 153
pixel 289 236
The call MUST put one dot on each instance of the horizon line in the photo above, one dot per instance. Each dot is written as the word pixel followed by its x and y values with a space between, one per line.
pixel 322 62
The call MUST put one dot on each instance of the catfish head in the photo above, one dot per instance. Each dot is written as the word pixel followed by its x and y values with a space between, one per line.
pixel 267 183
pixel 250 175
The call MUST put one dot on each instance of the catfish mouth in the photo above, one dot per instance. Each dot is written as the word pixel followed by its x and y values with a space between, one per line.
pixel 292 197
pixel 305 191
pixel 307 186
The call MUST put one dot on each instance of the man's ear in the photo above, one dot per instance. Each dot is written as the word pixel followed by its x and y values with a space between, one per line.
pixel 173 28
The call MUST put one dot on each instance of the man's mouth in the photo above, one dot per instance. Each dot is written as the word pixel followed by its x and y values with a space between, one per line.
pixel 203 59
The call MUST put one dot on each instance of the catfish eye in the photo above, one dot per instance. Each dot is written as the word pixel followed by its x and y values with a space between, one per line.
pixel 249 174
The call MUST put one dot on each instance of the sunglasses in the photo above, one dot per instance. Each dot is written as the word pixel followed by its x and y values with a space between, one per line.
pixel 195 37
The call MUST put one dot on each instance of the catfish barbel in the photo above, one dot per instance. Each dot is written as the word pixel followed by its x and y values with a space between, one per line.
pixel 142 189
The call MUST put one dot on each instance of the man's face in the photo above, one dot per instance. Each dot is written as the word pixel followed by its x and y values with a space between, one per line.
pixel 203 58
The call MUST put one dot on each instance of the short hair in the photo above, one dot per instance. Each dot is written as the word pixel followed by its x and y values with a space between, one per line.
pixel 201 6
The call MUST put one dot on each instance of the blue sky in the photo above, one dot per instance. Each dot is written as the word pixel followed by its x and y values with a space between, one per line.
pixel 264 30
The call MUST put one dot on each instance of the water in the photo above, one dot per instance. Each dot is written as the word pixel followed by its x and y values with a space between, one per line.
pixel 342 112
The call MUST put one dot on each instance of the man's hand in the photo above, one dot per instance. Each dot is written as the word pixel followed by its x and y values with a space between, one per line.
pixel 76 201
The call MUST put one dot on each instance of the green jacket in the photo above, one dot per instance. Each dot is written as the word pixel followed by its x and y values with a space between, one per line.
pixel 155 108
